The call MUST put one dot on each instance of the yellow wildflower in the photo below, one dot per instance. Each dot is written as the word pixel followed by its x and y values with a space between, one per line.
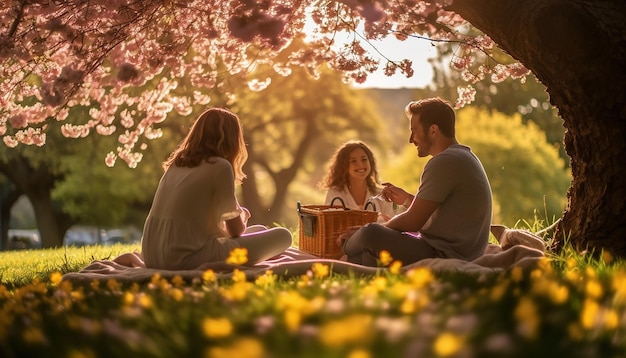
pixel 379 283
pixel 526 314
pixel 447 344
pixel 395 267
pixel 517 274
pixel 384 257
pixel 33 335
pixel 65 286
pixel 594 289
pixel 238 276
pixel 572 275
pixel 245 347
pixel 209 276
pixel 400 289
pixel 320 270
pixel 498 291
pixel 558 293
pixel 589 314
pixel 178 281
pixel 113 285
pixel 55 278
pixel 571 263
pixel 359 353
pixel 353 329
pixel 292 319
pixel 611 319
pixel 128 298
pixel 155 279
pixel 420 276
pixel 619 285
pixel 408 306
pixel 238 256
pixel 266 280
pixel 237 292
pixel 86 353
pixel 607 257
pixel 177 294
pixel 145 301
pixel 291 300
pixel 215 328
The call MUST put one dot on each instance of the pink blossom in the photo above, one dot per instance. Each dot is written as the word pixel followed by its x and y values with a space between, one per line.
pixel 110 159
pixel 18 121
pixel 371 11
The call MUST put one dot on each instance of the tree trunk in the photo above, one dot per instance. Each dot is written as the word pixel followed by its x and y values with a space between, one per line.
pixel 577 49
pixel 273 213
pixel 8 198
pixel 37 185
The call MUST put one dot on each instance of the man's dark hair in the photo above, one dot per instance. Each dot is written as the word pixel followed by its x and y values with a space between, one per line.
pixel 433 111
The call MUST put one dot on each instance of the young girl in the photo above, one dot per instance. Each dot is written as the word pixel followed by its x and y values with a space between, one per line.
pixel 352 176
pixel 195 217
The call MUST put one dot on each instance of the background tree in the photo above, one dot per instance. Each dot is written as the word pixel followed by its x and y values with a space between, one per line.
pixel 87 51
pixel 292 127
pixel 9 195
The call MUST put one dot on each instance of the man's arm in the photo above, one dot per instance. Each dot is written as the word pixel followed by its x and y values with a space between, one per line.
pixel 415 217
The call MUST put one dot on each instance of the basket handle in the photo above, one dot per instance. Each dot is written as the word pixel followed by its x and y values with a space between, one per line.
pixel 298 205
pixel 372 204
pixel 341 200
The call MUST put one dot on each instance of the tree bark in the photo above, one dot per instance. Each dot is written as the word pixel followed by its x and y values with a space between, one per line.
pixel 268 214
pixel 9 197
pixel 577 49
pixel 37 185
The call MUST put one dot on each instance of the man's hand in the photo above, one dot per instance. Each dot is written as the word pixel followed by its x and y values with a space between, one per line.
pixel 396 194
pixel 346 234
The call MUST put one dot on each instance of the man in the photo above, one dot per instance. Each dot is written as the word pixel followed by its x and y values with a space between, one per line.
pixel 449 216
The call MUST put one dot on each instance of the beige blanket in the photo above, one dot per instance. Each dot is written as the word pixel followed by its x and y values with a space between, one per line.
pixel 516 248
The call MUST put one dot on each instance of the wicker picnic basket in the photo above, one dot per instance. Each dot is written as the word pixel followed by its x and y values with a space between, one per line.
pixel 320 226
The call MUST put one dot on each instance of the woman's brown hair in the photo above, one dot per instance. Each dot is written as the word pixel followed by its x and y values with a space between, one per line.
pixel 216 132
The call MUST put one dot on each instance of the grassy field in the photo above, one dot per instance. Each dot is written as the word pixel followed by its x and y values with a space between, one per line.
pixel 570 305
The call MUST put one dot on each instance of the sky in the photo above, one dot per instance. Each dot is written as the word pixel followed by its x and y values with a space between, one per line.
pixel 417 50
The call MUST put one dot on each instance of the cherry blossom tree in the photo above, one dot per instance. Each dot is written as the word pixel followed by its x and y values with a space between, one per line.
pixel 58 55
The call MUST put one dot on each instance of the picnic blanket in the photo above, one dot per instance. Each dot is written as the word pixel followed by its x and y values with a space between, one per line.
pixel 516 248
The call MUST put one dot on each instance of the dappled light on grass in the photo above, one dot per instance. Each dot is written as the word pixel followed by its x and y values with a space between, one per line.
pixel 565 306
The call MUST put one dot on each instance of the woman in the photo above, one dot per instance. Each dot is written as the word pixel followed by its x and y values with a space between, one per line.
pixel 352 176
pixel 195 217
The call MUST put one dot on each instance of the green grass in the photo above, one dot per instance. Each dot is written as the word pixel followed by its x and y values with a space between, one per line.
pixel 570 305
pixel 18 268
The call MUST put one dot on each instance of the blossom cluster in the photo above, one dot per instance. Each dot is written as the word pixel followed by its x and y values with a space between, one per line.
pixel 125 61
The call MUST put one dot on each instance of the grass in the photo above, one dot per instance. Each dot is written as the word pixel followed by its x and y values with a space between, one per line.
pixel 571 305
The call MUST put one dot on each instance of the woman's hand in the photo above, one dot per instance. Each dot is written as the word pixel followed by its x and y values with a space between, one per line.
pixel 245 215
